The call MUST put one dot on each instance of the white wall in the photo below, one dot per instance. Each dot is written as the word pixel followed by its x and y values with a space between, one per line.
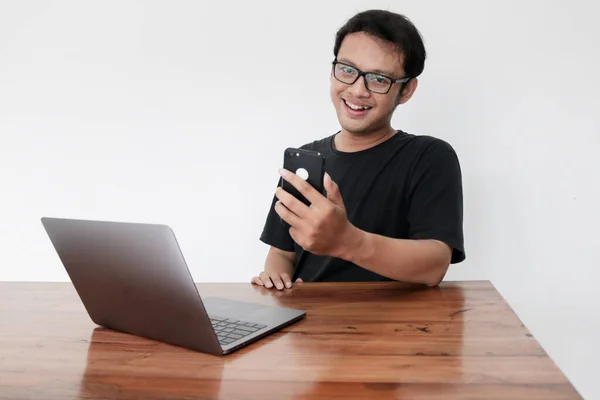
pixel 157 112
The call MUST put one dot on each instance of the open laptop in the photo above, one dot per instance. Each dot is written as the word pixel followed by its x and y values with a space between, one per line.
pixel 132 278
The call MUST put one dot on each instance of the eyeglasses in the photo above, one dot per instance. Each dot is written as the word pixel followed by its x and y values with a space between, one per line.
pixel 376 83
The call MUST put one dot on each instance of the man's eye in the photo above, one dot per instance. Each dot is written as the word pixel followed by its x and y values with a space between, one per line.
pixel 347 70
pixel 379 80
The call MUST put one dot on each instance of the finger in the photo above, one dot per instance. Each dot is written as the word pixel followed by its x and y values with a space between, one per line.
pixel 333 191
pixel 257 281
pixel 291 202
pixel 303 187
pixel 287 215
pixel 276 280
pixel 266 279
pixel 286 280
pixel 299 280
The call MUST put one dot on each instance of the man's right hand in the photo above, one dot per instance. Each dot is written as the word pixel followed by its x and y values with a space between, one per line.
pixel 275 280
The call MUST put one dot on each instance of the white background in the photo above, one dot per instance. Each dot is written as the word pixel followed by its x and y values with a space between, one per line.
pixel 178 113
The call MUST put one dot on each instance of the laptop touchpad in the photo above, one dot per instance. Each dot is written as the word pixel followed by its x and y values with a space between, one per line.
pixel 219 307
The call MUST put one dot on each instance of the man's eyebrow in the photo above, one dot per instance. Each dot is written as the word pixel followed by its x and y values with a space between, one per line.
pixel 377 71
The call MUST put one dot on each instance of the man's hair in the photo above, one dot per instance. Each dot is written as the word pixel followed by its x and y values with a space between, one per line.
pixel 393 28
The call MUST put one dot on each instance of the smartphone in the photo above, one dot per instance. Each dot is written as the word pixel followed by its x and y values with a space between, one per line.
pixel 307 164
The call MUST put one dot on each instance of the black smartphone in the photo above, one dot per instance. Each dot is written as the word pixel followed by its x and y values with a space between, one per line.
pixel 307 164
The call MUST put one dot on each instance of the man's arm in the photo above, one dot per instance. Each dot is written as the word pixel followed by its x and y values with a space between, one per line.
pixel 281 258
pixel 279 267
pixel 407 260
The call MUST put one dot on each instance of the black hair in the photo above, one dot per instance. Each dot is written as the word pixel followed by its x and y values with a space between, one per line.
pixel 393 28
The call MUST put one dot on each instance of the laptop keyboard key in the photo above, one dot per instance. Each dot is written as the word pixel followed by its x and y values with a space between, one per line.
pixel 234 336
pixel 240 332
pixel 247 328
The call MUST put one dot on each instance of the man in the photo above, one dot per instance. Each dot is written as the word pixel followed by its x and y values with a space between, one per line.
pixel 393 209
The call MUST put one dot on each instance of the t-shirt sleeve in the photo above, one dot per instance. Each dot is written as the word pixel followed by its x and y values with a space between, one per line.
pixel 436 198
pixel 275 233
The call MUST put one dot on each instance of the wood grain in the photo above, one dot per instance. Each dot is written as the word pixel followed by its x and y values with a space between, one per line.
pixel 359 341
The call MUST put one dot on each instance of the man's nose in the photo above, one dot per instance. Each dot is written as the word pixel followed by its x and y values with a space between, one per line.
pixel 359 88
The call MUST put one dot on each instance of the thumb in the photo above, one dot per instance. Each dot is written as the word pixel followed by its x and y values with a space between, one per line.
pixel 333 191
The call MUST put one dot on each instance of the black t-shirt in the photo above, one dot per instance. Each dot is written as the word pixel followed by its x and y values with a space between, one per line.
pixel 407 187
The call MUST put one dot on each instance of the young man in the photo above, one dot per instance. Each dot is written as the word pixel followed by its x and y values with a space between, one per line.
pixel 393 209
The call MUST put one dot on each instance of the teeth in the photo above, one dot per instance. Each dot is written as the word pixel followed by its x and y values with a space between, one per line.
pixel 355 107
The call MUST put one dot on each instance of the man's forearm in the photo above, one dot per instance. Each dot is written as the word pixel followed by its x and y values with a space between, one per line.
pixel 406 260
pixel 277 262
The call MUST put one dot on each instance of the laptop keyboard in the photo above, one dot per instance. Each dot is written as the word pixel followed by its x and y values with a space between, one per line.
pixel 230 330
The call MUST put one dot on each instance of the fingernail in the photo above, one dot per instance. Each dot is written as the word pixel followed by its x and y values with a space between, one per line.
pixel 279 286
pixel 268 285
pixel 283 172
pixel 288 285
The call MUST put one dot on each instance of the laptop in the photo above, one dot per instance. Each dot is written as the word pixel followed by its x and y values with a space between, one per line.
pixel 132 278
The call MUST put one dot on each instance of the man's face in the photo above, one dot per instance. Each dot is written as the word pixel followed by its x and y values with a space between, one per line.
pixel 375 110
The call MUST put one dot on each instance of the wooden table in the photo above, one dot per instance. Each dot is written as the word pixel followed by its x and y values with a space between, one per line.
pixel 358 341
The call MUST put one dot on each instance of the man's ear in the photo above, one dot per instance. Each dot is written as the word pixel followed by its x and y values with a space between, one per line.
pixel 409 89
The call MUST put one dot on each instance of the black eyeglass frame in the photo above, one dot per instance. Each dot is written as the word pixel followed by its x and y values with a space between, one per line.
pixel 364 75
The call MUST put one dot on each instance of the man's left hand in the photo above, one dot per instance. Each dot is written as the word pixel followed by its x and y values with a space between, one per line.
pixel 323 227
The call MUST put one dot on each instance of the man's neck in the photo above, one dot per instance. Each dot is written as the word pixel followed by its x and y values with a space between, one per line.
pixel 348 142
